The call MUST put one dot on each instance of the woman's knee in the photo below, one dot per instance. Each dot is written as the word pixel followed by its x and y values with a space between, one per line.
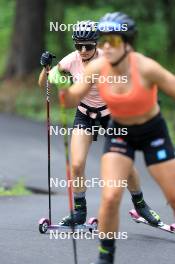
pixel 77 169
pixel 112 198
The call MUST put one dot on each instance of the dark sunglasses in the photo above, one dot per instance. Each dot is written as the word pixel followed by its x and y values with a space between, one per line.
pixel 88 47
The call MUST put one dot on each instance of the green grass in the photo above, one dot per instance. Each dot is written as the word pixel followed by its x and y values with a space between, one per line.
pixel 31 103
pixel 17 190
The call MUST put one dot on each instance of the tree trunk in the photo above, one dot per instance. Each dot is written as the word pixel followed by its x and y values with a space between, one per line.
pixel 57 15
pixel 169 11
pixel 27 39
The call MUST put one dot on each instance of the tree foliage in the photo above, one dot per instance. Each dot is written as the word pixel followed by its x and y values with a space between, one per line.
pixel 31 35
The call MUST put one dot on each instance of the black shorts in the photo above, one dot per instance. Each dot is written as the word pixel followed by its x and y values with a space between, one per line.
pixel 152 138
pixel 90 124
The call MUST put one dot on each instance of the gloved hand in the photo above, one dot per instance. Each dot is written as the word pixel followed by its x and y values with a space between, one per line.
pixel 46 59
pixel 59 78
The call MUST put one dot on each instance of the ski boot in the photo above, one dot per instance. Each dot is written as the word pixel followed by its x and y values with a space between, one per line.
pixel 102 261
pixel 106 256
pixel 79 214
pixel 146 212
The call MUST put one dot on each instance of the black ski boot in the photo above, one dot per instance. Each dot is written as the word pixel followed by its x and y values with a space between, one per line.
pixel 79 214
pixel 102 261
pixel 146 212
pixel 106 256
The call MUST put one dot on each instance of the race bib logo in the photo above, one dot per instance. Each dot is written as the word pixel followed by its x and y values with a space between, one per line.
pixel 161 154
pixel 158 142
pixel 118 140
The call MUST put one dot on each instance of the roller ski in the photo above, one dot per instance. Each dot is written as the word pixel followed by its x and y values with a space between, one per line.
pixel 45 225
pixel 77 221
pixel 139 219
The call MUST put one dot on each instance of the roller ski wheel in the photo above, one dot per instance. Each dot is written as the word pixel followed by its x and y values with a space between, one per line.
pixel 134 215
pixel 93 222
pixel 172 227
pixel 43 225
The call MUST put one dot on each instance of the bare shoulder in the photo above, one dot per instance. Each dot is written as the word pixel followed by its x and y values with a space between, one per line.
pixel 146 65
pixel 69 59
pixel 95 66
pixel 154 73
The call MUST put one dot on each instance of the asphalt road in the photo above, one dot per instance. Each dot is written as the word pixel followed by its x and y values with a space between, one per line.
pixel 23 155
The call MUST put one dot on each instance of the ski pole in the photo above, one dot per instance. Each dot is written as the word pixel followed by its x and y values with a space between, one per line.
pixel 46 61
pixel 48 143
pixel 68 176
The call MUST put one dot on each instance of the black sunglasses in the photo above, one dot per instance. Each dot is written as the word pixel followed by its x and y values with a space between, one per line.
pixel 88 47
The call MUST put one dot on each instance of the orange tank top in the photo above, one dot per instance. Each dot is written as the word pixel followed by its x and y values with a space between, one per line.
pixel 137 101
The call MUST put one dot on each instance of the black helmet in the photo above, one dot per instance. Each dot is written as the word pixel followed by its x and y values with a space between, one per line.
pixel 85 31
pixel 118 23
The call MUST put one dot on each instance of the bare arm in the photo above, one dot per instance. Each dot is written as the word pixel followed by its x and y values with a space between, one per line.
pixel 73 96
pixel 162 77
pixel 43 76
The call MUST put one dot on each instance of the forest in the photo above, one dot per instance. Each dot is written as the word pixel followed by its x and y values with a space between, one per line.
pixel 26 30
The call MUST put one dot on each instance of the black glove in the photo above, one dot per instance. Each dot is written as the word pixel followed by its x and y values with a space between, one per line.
pixel 46 59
